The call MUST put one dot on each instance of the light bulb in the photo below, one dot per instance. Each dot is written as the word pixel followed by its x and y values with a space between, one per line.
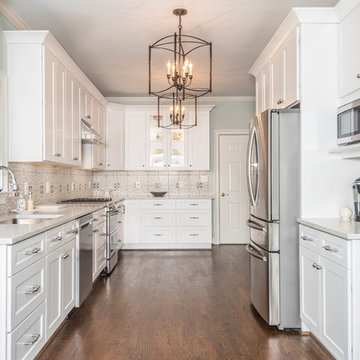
pixel 168 67
pixel 190 68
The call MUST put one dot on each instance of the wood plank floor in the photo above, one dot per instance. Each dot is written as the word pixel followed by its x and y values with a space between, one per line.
pixel 182 305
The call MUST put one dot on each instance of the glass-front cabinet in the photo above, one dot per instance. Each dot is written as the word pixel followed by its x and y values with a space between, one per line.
pixel 167 148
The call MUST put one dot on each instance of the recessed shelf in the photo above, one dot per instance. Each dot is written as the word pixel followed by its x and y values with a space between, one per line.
pixel 347 151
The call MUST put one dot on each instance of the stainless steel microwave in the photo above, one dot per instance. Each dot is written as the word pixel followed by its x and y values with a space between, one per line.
pixel 348 123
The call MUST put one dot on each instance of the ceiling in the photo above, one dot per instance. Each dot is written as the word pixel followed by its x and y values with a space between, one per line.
pixel 109 39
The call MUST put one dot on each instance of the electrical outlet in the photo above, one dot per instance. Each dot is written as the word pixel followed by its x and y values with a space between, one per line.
pixel 26 188
pixel 47 188
pixel 137 184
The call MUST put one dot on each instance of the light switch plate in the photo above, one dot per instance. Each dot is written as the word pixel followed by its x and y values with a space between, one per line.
pixel 137 184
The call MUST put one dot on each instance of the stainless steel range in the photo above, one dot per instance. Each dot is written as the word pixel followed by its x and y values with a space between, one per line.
pixel 115 211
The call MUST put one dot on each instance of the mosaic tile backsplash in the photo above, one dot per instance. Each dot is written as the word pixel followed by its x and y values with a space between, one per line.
pixel 138 183
pixel 51 184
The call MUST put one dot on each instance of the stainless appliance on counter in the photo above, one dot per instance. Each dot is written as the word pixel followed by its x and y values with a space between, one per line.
pixel 273 176
pixel 84 256
pixel 115 211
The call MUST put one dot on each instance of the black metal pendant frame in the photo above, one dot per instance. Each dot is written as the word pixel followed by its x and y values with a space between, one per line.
pixel 178 90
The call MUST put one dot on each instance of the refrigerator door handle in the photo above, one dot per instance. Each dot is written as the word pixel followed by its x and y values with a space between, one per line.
pixel 255 225
pixel 253 252
pixel 249 165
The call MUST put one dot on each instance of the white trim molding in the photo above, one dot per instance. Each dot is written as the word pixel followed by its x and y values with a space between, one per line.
pixel 12 17
pixel 217 134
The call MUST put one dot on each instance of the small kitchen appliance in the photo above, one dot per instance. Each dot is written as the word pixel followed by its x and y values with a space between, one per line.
pixel 348 123
pixel 356 191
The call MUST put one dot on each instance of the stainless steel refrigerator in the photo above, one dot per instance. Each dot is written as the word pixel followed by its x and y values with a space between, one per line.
pixel 273 176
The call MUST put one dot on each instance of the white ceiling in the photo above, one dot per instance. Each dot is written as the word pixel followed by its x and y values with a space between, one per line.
pixel 109 39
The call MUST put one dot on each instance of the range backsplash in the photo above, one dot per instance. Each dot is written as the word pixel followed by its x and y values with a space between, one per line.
pixel 64 183
pixel 137 183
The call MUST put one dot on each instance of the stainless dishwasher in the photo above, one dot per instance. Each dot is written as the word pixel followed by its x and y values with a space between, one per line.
pixel 84 259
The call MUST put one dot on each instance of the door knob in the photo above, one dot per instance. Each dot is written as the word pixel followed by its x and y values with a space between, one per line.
pixel 223 194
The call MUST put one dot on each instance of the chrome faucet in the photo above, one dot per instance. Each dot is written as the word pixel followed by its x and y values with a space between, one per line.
pixel 13 184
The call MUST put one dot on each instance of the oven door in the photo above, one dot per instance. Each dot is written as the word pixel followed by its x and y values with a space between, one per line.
pixel 112 246
pixel 113 218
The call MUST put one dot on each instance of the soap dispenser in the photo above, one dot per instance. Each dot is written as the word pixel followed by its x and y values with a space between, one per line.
pixel 30 202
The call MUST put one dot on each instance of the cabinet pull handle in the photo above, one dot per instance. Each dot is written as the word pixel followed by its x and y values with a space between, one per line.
pixel 158 234
pixel 32 251
pixel 57 154
pixel 157 217
pixel 95 231
pixel 194 204
pixel 33 290
pixel 58 238
pixel 88 117
pixel 65 256
pixel 280 101
pixel 358 76
pixel 194 217
pixel 194 234
pixel 75 158
pixel 158 204
pixel 307 238
pixel 96 219
pixel 100 164
pixel 316 266
pixel 34 339
pixel 119 222
pixel 329 248
pixel 71 232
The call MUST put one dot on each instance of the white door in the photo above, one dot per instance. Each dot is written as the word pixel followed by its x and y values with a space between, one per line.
pixel 234 204
pixel 336 308
pixel 277 78
pixel 310 289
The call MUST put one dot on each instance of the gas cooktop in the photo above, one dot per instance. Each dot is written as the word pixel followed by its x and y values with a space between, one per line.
pixel 86 200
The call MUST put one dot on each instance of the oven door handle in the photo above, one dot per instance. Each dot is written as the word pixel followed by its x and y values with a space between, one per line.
pixel 253 252
pixel 112 213
pixel 255 225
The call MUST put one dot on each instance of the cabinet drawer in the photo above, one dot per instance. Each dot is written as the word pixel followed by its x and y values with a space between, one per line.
pixel 163 236
pixel 309 239
pixel 28 338
pixel 99 216
pixel 26 291
pixel 100 256
pixel 54 239
pixel 194 236
pixel 25 253
pixel 195 218
pixel 193 204
pixel 157 204
pixel 336 249
pixel 69 230
pixel 158 219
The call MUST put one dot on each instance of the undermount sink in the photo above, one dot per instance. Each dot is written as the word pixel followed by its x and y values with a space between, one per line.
pixel 28 220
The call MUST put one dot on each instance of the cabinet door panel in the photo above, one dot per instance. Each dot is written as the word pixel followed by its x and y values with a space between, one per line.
pixel 349 53
pixel 199 142
pixel 58 135
pixel 277 77
pixel 68 277
pixel 75 156
pixel 335 332
pixel 291 69
pixel 267 88
pixel 259 93
pixel 54 306
pixel 135 140
pixel 310 288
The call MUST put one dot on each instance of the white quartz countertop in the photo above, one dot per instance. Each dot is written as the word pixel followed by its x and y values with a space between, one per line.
pixel 349 230
pixel 13 233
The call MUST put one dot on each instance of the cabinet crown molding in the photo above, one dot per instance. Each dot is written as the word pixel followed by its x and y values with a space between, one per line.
pixel 296 17
pixel 44 37
pixel 154 107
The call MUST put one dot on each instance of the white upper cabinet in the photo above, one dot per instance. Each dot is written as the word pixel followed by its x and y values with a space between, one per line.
pixel 278 82
pixel 349 54
pixel 48 95
pixel 115 137
pixel 135 140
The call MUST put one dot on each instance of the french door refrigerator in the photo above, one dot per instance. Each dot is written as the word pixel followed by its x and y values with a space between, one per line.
pixel 273 177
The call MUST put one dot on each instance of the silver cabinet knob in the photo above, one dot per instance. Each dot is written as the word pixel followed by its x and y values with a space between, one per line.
pixel 75 158
pixel 57 154
pixel 280 101
pixel 316 266
pixel 358 76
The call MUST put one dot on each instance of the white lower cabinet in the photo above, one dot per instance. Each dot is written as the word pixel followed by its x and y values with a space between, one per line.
pixel 168 224
pixel 99 244
pixel 38 275
pixel 328 298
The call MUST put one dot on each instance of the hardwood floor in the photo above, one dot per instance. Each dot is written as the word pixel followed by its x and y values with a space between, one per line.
pixel 163 305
